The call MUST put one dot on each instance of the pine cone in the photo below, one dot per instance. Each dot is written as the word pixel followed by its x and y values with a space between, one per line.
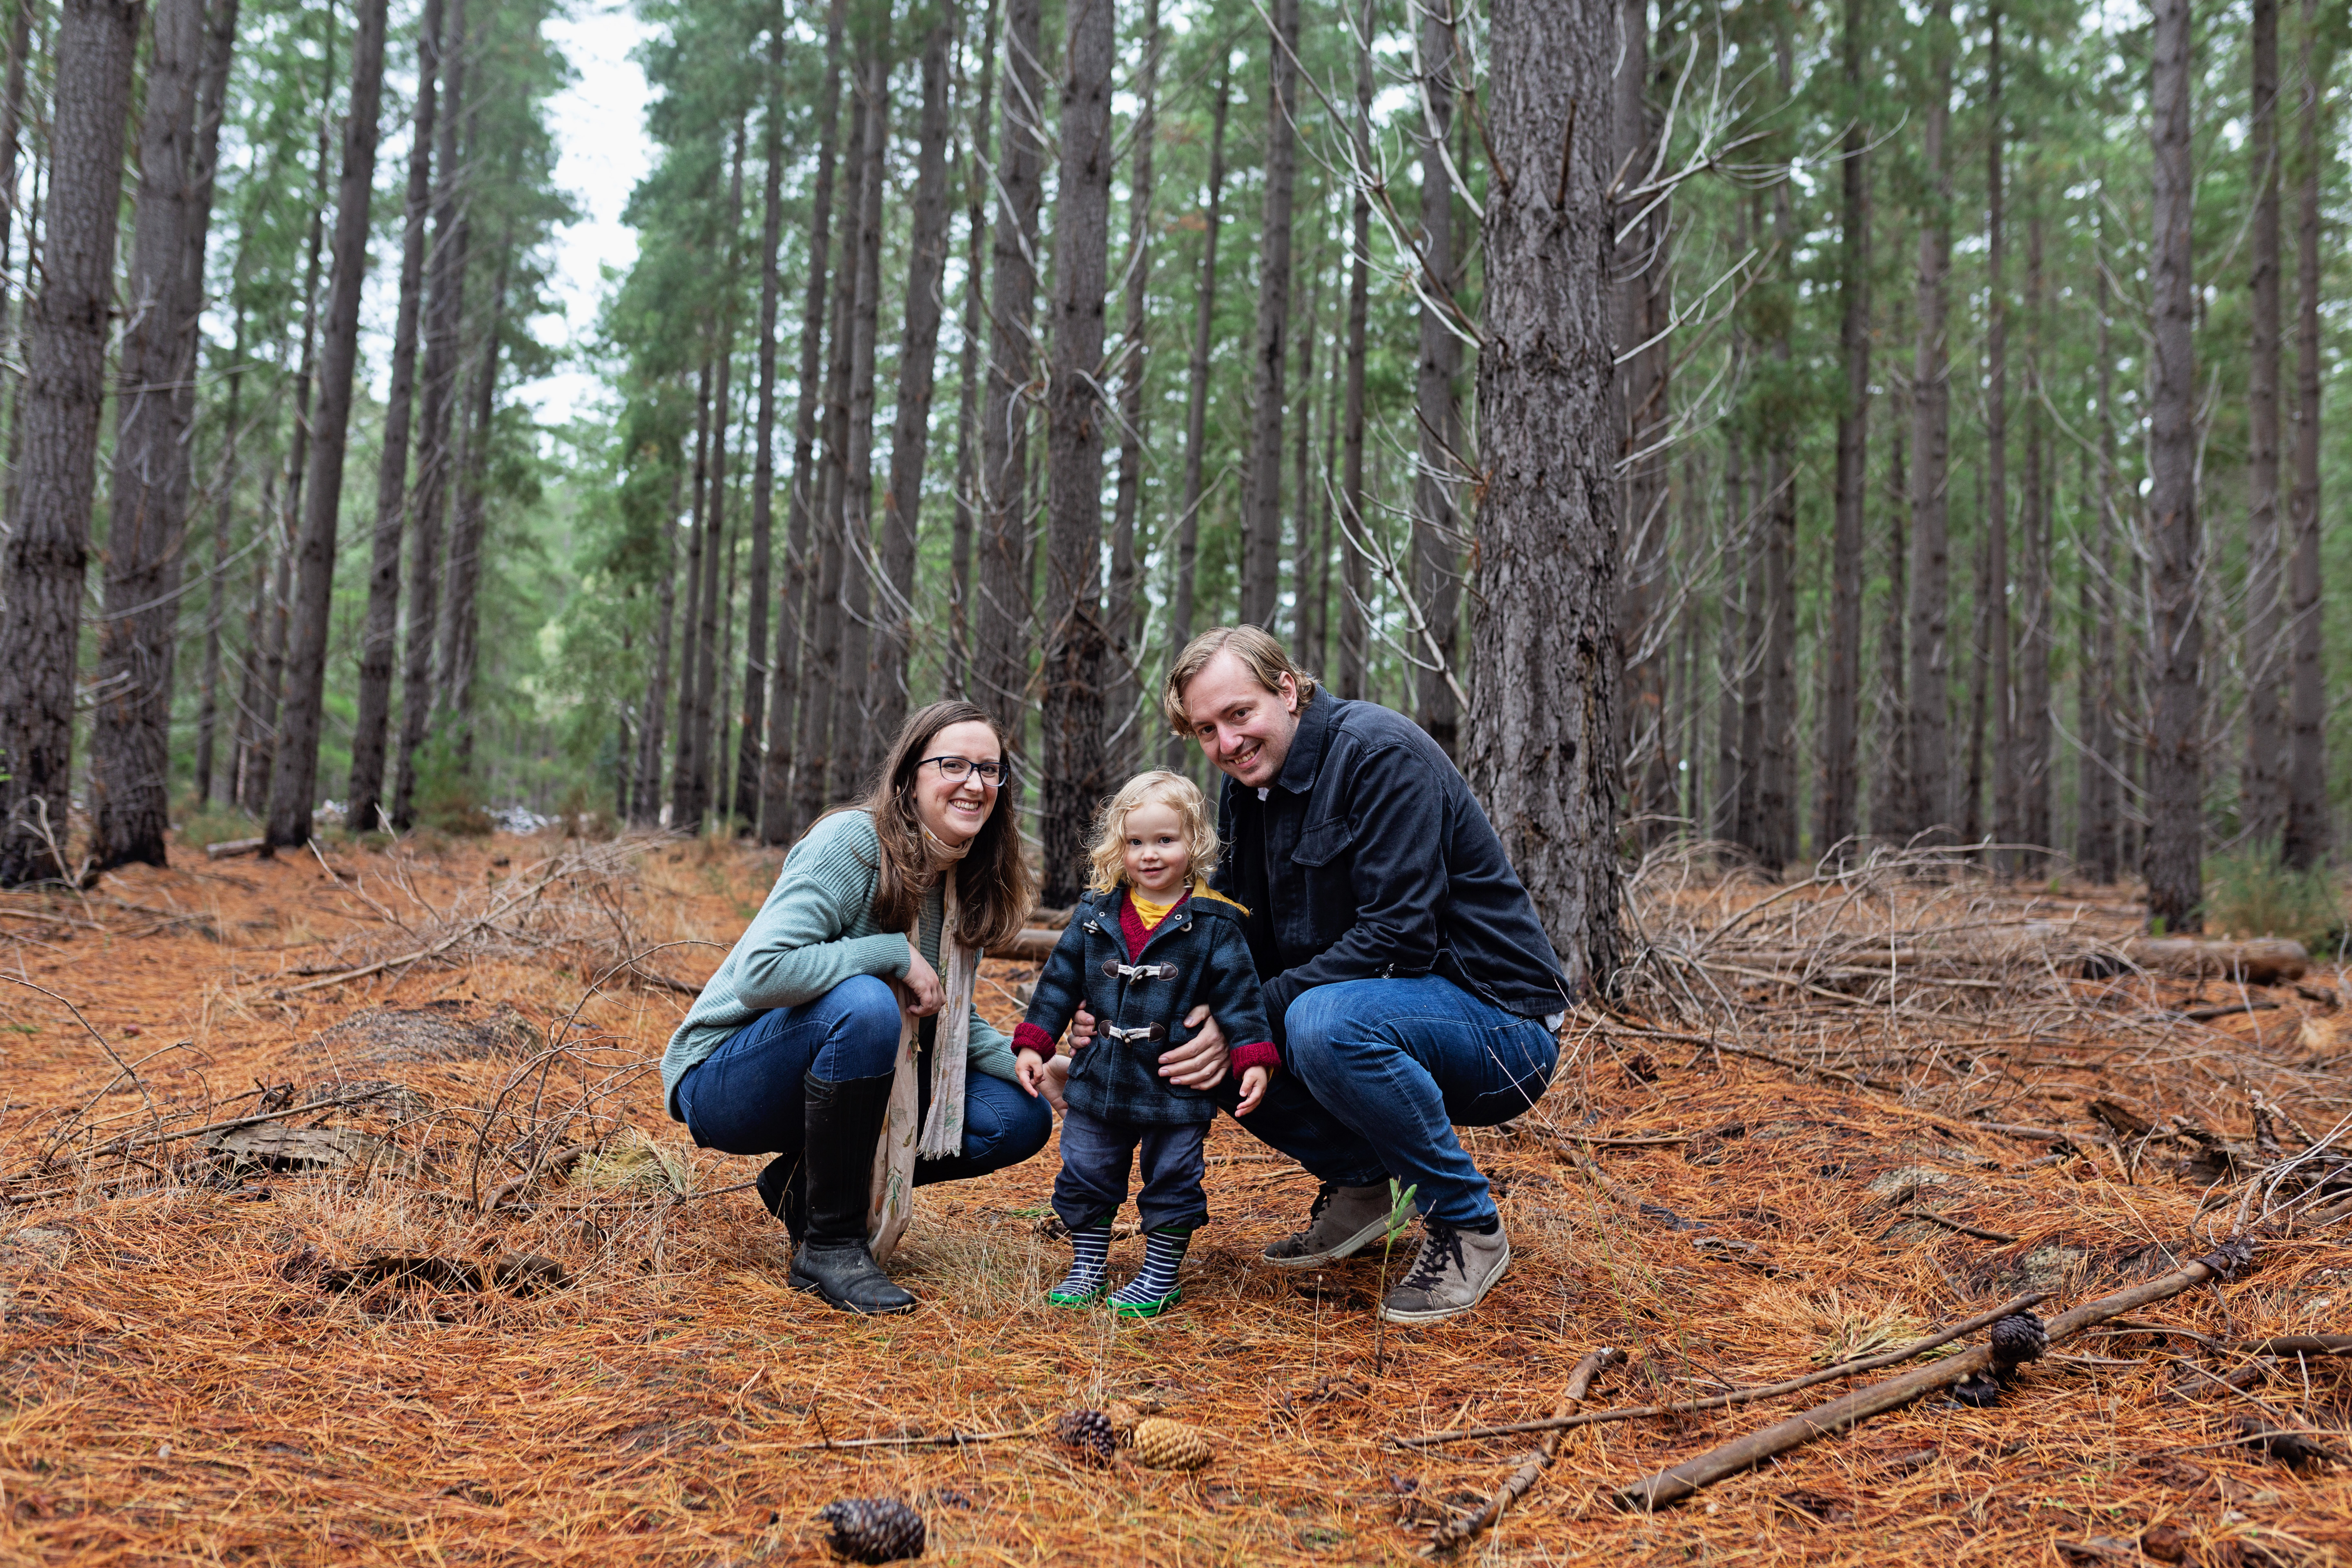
pixel 2018 1339
pixel 1122 1417
pixel 1090 1433
pixel 873 1529
pixel 1165 1445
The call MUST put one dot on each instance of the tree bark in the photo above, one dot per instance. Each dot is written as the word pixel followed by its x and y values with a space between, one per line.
pixel 1122 738
pixel 2000 685
pixel 1261 578
pixel 1181 594
pixel 147 501
pixel 1436 531
pixel 927 260
pixel 2176 841
pixel 1356 575
pixel 654 723
pixel 1000 657
pixel 1775 840
pixel 1543 726
pixel 1074 773
pixel 855 745
pixel 1839 818
pixel 435 400
pixel 47 551
pixel 297 776
pixel 777 825
pixel 746 801
pixel 2309 824
pixel 959 583
pixel 2262 811
pixel 685 812
pixel 1637 288
pixel 11 125
pixel 2033 635
pixel 709 708
pixel 2097 837
pixel 208 701
pixel 377 643
pixel 1928 712
pixel 460 628
pixel 1890 795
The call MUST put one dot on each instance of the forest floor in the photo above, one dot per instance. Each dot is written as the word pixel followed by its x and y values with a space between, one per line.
pixel 1727 1181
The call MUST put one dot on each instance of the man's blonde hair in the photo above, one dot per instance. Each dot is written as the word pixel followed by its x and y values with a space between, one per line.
pixel 1266 660
pixel 1107 853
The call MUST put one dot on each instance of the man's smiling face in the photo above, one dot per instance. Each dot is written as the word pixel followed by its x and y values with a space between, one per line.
pixel 1245 728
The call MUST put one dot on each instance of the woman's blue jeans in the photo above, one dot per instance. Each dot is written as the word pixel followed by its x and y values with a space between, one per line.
pixel 745 1097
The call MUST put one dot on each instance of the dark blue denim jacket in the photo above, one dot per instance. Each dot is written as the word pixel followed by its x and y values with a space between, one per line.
pixel 1370 857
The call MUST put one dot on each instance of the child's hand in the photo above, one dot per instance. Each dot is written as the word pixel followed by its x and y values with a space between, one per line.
pixel 1254 1082
pixel 1030 1069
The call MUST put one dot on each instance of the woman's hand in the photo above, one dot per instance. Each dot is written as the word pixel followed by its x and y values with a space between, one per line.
pixel 924 982
pixel 1082 1029
pixel 1198 1062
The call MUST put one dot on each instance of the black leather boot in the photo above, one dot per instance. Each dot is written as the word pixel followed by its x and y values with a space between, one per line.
pixel 783 1191
pixel 844 1122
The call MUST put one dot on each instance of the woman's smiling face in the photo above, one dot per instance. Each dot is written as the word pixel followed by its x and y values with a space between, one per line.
pixel 956 809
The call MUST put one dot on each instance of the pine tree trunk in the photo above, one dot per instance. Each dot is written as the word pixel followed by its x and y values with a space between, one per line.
pixel 1929 686
pixel 1261 578
pixel 2262 810
pixel 959 585
pixel 1001 651
pixel 208 715
pixel 709 710
pixel 1436 529
pixel 1642 706
pixel 2001 690
pixel 746 798
pixel 1181 594
pixel 1890 793
pixel 1839 815
pixel 47 551
pixel 1972 812
pixel 685 810
pixel 816 765
pixel 1305 619
pixel 2176 842
pixel 926 261
pixel 1734 650
pixel 460 628
pixel 777 823
pixel 2098 841
pixel 436 401
pixel 1356 574
pixel 1074 775
pixel 2309 824
pixel 2033 640
pixel 855 746
pixel 654 723
pixel 12 126
pixel 294 786
pixel 378 640
pixel 1542 727
pixel 1775 841
pixel 146 517
pixel 1122 740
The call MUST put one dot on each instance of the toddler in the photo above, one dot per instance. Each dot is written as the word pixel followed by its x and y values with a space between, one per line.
pixel 1145 947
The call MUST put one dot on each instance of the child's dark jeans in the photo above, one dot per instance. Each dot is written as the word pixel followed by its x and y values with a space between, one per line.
pixel 1096 1155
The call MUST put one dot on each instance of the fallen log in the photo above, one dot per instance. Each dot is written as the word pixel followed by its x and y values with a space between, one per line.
pixel 2260 960
pixel 1465 1526
pixel 229 846
pixel 2296 1344
pixel 1686 1480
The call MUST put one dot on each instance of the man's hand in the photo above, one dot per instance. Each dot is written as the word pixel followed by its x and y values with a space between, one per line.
pixel 924 982
pixel 1198 1062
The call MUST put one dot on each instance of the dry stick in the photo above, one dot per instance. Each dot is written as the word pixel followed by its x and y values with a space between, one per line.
pixel 123 1146
pixel 1456 1531
pixel 433 950
pixel 1673 1484
pixel 1980 1233
pixel 944 1440
pixel 1740 1396
pixel 2296 1344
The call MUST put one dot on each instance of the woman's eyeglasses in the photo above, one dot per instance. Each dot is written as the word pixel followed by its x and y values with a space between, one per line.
pixel 955 770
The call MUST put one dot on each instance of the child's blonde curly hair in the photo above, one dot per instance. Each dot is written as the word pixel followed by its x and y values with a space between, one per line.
pixel 1107 854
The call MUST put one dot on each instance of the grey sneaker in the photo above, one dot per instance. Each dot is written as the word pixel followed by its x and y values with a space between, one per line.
pixel 1343 1222
pixel 1455 1271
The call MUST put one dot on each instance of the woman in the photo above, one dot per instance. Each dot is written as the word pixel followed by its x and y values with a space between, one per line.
pixel 792 1046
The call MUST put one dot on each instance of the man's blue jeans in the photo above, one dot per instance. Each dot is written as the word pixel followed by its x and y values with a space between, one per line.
pixel 1394 1066
pixel 745 1097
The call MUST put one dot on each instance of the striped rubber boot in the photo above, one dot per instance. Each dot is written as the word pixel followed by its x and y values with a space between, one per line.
pixel 1089 1268
pixel 1155 1290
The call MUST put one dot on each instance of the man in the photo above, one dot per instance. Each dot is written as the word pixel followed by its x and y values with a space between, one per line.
pixel 1410 983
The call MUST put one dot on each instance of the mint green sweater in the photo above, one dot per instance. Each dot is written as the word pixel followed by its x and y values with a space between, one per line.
pixel 816 930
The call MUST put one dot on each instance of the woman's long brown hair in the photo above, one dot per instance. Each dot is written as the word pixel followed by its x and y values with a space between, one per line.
pixel 993 884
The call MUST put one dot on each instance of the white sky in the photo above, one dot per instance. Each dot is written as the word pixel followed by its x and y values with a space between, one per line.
pixel 602 150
